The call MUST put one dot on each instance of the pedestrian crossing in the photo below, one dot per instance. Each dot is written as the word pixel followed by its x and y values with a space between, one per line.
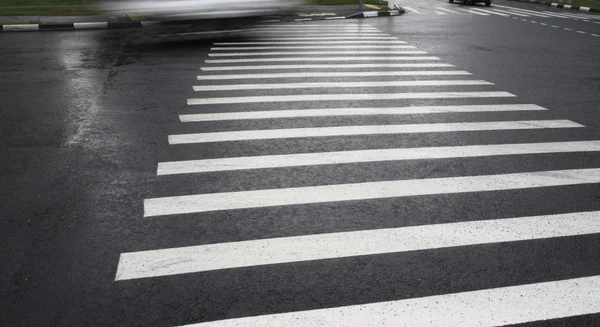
pixel 441 9
pixel 242 101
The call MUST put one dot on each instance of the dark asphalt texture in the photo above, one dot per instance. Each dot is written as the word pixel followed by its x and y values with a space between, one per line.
pixel 84 121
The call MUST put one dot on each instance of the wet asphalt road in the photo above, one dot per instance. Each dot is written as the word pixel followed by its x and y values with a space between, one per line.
pixel 85 119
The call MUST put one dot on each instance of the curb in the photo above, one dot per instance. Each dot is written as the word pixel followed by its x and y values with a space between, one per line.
pixel 107 25
pixel 560 5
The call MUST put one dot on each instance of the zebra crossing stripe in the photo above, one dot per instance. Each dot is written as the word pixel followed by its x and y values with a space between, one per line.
pixel 273 114
pixel 361 84
pixel 362 156
pixel 326 66
pixel 246 48
pixel 474 12
pixel 352 37
pixel 411 9
pixel 295 53
pixel 485 308
pixel 349 97
pixel 193 259
pixel 334 74
pixel 364 191
pixel 448 10
pixel 312 42
pixel 324 58
pixel 491 12
pixel 510 12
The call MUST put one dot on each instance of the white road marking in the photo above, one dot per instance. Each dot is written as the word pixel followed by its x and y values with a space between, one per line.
pixel 528 12
pixel 288 133
pixel 448 10
pixel 201 258
pixel 439 13
pixel 412 110
pixel 325 34
pixel 525 20
pixel 348 97
pixel 474 12
pixel 347 42
pixel 595 35
pixel 246 48
pixel 334 74
pixel 362 156
pixel 533 21
pixel 581 32
pixel 323 58
pixel 491 12
pixel 485 308
pixel 324 37
pixel 360 84
pixel 557 15
pixel 555 26
pixel 296 53
pixel 567 29
pixel 510 12
pixel 543 24
pixel 325 66
pixel 365 191
pixel 411 9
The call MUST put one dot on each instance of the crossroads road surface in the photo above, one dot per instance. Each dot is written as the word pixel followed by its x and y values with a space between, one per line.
pixel 438 168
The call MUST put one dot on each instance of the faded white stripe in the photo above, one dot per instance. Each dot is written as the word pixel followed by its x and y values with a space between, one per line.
pixel 246 48
pixel 325 66
pixel 361 84
pixel 323 58
pixel 335 74
pixel 364 191
pixel 310 42
pixel 296 53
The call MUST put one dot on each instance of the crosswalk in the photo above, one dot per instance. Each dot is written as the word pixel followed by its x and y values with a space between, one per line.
pixel 440 9
pixel 331 92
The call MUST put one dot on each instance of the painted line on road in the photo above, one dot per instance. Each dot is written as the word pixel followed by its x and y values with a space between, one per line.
pixel 528 12
pixel 511 12
pixel 295 53
pixel 246 48
pixel 567 29
pixel 311 42
pixel 360 84
pixel 325 66
pixel 581 32
pixel 448 10
pixel 474 12
pixel 555 26
pixel 439 12
pixel 358 37
pixel 335 74
pixel 491 12
pixel 323 58
pixel 365 191
pixel 362 156
pixel 289 133
pixel 543 24
pixel 533 22
pixel 596 35
pixel 411 9
pixel 488 307
pixel 348 97
pixel 412 110
pixel 251 253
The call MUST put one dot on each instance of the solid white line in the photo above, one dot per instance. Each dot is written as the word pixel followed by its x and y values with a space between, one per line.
pixel 510 12
pixel 581 32
pixel 474 12
pixel 337 17
pixel 324 37
pixel 412 110
pixel 246 48
pixel 201 258
pixel 439 13
pixel 324 66
pixel 323 58
pixel 567 29
pixel 365 191
pixel 411 9
pixel 557 15
pixel 344 157
pixel 485 308
pixel 295 53
pixel 92 25
pixel 526 11
pixel 448 10
pixel 311 42
pixel 360 84
pixel 317 30
pixel 349 97
pixel 492 12
pixel 334 74
pixel 529 12
pixel 324 34
pixel 288 133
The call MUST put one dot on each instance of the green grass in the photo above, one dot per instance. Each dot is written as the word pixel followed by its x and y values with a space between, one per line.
pixel 44 11
pixel 19 3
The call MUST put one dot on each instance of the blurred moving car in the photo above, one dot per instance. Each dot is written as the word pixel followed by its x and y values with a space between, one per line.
pixel 198 17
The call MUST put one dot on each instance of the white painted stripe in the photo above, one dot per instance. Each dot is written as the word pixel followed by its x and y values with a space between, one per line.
pixel 485 308
pixel 93 25
pixel 316 30
pixel 571 16
pixel 533 22
pixel 567 29
pixel 333 25
pixel 338 17
pixel 325 66
pixel 200 258
pixel 555 26
pixel 360 84
pixel 440 13
pixel 288 133
pixel 581 32
pixel 543 24
pixel 557 15
pixel 349 97
pixel 335 74
pixel 348 42
pixel 412 110
pixel 295 53
pixel 324 37
pixel 529 12
pixel 365 191
pixel 595 35
pixel 324 34
pixel 492 12
pixel 411 9
pixel 474 12
pixel 510 12
pixel 344 157
pixel 448 10
pixel 246 48
pixel 323 58
pixel 21 27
